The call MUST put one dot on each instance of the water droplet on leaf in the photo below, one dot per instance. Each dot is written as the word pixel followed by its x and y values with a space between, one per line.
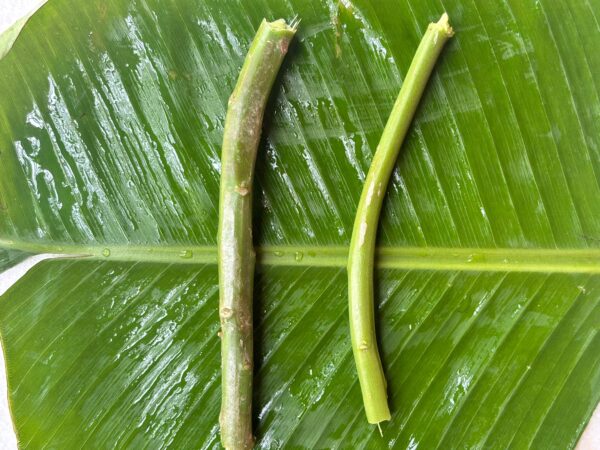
pixel 186 254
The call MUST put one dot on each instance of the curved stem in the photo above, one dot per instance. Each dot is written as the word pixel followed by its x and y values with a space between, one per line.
pixel 235 250
pixel 362 246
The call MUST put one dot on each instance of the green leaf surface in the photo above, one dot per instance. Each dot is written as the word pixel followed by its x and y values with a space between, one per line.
pixel 9 258
pixel 488 285
pixel 126 355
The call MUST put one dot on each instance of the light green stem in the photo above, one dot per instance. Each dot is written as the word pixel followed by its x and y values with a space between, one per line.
pixel 243 126
pixel 362 246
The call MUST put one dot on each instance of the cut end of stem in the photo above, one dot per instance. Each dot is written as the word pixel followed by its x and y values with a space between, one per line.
pixel 381 413
pixel 443 25
pixel 281 25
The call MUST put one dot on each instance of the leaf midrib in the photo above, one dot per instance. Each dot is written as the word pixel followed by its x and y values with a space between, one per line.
pixel 584 260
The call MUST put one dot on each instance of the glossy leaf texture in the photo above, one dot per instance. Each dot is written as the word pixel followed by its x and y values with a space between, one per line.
pixel 126 355
pixel 112 118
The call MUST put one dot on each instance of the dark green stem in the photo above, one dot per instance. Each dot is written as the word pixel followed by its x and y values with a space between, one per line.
pixel 243 126
pixel 362 247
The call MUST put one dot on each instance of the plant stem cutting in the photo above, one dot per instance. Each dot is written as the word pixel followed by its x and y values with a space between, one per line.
pixel 362 246
pixel 242 132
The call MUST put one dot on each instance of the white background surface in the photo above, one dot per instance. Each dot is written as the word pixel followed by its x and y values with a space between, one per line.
pixel 11 10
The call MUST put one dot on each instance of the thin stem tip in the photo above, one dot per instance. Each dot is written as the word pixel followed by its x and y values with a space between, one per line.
pixel 444 25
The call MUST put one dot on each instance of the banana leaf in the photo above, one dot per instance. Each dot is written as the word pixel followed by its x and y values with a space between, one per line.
pixel 488 270
pixel 9 258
